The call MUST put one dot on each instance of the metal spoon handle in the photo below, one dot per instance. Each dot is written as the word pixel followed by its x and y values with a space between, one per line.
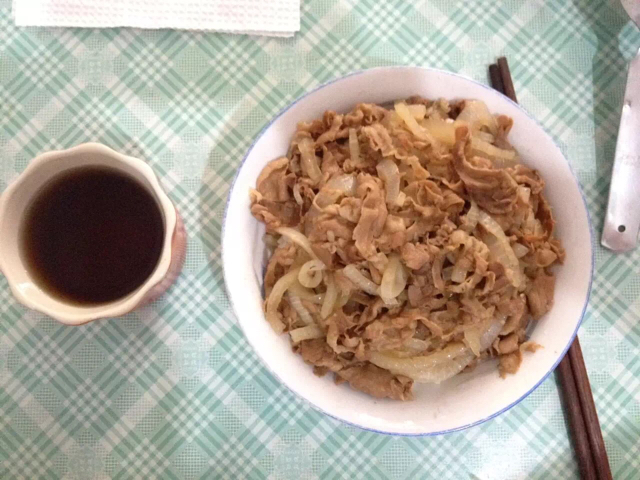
pixel 622 222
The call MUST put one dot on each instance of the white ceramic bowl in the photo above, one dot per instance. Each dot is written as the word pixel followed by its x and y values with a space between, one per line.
pixel 467 399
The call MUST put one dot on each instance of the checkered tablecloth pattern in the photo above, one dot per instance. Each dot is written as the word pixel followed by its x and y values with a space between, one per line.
pixel 173 391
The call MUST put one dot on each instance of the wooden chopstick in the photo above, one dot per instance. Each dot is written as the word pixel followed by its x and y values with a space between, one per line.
pixel 577 426
pixel 507 81
pixel 496 78
pixel 571 371
pixel 589 411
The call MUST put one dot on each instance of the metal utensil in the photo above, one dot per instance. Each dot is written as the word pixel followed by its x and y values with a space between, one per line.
pixel 622 222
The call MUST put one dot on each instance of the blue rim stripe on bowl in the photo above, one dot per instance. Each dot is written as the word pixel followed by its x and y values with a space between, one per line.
pixel 575 178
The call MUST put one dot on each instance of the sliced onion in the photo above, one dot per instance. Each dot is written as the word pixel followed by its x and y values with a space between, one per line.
pixel 473 335
pixel 394 279
pixel 326 197
pixel 520 250
pixel 480 337
pixel 484 136
pixel 334 189
pixel 537 228
pixel 472 339
pixel 310 274
pixel 500 249
pixel 391 302
pixel 308 159
pixel 500 158
pixel 354 146
pixel 444 132
pixel 359 280
pixel 298 238
pixel 345 184
pixel 411 123
pixel 446 273
pixel 491 150
pixel 342 300
pixel 436 272
pixel 529 222
pixel 306 333
pixel 389 173
pixel 524 193
pixel 416 344
pixel 451 351
pixel 302 312
pixel 410 348
pixel 275 297
pixel 476 114
pixel 306 294
pixel 459 273
pixel 433 368
pixel 418 111
pixel 330 297
pixel 472 217
pixel 439 366
pixel 296 194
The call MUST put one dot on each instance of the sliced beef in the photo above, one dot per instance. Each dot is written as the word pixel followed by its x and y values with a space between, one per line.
pixel 494 190
pixel 373 214
pixel 540 294
pixel 377 382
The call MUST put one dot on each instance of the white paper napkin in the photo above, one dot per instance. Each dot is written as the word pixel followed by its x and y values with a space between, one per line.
pixel 253 17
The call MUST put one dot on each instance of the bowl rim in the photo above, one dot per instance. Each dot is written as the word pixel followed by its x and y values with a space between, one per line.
pixel 486 87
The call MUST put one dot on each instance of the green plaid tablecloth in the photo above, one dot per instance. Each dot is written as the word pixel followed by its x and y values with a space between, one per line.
pixel 173 390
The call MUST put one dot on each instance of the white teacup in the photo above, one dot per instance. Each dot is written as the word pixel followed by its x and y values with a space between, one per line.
pixel 17 198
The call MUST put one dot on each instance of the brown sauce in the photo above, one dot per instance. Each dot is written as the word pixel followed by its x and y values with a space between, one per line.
pixel 92 235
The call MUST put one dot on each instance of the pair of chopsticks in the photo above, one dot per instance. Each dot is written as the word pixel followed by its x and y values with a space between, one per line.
pixel 572 373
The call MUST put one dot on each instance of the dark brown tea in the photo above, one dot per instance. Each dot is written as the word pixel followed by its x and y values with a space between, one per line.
pixel 92 235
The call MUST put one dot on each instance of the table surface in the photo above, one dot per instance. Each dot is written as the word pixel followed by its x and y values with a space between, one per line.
pixel 174 390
